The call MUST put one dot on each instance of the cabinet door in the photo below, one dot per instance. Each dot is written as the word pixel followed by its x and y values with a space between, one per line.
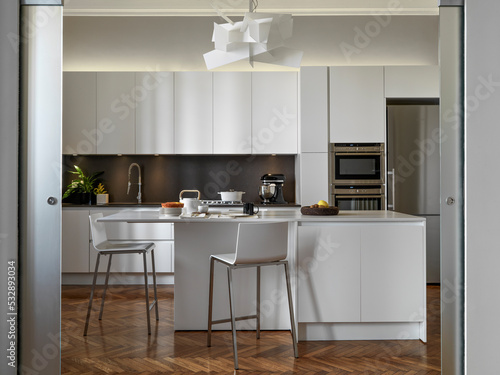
pixel 412 81
pixel 392 273
pixel 159 233
pixel 328 274
pixel 193 113
pixel 357 104
pixel 313 177
pixel 139 231
pixel 232 112
pixel 154 114
pixel 79 113
pixel 117 98
pixel 124 263
pixel 274 113
pixel 75 240
pixel 314 109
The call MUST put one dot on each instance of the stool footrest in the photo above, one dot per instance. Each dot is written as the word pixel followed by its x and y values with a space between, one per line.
pixel 238 318
pixel 152 305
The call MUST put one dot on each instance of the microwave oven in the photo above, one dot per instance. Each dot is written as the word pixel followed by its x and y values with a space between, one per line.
pixel 357 163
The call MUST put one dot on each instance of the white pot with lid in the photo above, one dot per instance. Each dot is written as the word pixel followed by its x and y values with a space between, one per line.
pixel 231 195
pixel 190 204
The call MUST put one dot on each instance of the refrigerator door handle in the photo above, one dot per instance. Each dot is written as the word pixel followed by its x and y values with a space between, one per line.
pixel 390 206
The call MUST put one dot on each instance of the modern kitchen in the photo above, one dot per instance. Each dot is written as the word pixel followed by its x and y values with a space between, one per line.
pixel 344 149
pixel 349 135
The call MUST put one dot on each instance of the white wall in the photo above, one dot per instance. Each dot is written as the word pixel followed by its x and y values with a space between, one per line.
pixel 482 197
pixel 178 43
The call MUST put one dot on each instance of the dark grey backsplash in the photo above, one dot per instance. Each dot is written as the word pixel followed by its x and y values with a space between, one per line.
pixel 163 177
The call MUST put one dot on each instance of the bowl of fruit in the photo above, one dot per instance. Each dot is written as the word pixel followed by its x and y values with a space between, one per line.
pixel 320 208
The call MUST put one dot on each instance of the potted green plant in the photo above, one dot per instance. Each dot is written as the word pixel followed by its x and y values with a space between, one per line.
pixel 102 196
pixel 82 185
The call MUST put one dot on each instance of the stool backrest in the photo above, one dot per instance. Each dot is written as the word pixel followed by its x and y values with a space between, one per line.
pixel 261 242
pixel 97 229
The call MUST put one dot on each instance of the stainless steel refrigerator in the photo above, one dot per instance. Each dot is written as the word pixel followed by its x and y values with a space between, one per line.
pixel 413 160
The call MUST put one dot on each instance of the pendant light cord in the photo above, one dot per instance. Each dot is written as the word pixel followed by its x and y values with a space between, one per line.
pixel 253 5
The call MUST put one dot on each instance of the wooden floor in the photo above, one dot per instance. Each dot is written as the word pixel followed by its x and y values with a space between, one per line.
pixel 119 344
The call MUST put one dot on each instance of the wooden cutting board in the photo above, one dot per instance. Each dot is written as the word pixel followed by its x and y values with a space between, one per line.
pixel 319 211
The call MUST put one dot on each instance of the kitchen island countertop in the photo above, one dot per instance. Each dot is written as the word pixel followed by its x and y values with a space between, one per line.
pixel 270 215
pixel 158 204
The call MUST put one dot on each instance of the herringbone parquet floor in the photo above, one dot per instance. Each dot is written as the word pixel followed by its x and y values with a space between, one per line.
pixel 119 344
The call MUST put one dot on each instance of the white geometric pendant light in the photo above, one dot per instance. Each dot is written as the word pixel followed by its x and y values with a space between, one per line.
pixel 259 37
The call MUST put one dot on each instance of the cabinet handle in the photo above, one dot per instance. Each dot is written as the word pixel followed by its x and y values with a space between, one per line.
pixel 393 189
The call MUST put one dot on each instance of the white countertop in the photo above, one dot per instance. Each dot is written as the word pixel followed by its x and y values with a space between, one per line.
pixel 288 215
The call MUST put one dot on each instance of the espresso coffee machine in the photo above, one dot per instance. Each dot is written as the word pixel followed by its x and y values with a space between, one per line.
pixel 271 188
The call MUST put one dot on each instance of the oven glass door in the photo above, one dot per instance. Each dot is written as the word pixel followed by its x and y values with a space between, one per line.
pixel 359 202
pixel 358 167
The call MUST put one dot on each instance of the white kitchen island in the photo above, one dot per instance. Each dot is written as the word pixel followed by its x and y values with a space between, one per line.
pixel 356 275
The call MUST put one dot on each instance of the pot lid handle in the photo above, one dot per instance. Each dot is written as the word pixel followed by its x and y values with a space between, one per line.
pixel 189 191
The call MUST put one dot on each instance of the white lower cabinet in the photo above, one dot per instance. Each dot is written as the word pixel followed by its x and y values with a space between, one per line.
pixel 78 255
pixel 361 273
pixel 75 240
pixel 392 273
pixel 328 274
pixel 124 263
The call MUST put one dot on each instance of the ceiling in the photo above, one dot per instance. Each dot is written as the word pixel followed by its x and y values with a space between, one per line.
pixel 238 7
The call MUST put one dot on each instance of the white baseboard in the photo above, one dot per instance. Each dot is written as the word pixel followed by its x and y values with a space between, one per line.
pixel 359 331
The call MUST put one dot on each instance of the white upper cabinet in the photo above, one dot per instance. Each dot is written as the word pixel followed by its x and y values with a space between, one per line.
pixel 232 112
pixel 79 113
pixel 274 113
pixel 412 81
pixel 314 109
pixel 193 113
pixel 357 104
pixel 117 98
pixel 154 133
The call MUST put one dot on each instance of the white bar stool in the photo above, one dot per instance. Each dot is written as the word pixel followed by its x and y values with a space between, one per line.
pixel 257 245
pixel 104 247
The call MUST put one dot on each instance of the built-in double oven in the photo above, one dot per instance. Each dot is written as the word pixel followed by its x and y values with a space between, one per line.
pixel 357 176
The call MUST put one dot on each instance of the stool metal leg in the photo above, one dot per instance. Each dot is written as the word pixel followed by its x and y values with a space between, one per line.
pixel 105 286
pixel 210 302
pixel 258 302
pixel 146 287
pixel 92 294
pixel 154 283
pixel 290 307
pixel 233 316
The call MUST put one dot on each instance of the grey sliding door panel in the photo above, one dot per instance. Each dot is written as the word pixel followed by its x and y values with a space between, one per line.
pixel 451 38
pixel 40 190
pixel 9 128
